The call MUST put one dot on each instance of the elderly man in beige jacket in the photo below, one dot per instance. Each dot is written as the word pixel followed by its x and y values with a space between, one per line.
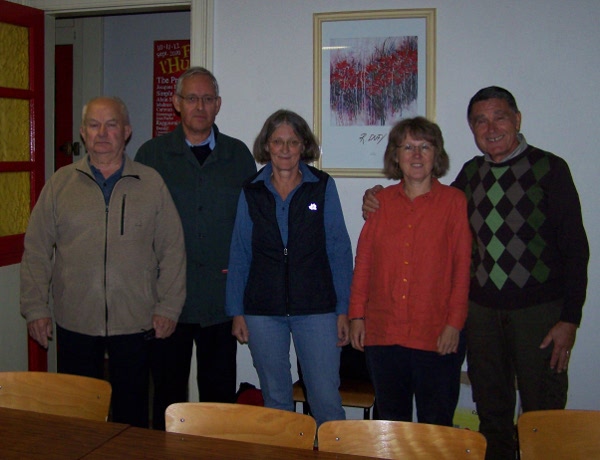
pixel 106 239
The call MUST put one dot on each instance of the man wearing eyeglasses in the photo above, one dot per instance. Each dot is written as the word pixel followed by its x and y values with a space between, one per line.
pixel 204 170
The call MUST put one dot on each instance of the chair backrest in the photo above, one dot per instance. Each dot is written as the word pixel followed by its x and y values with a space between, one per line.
pixel 58 394
pixel 559 434
pixel 240 422
pixel 406 440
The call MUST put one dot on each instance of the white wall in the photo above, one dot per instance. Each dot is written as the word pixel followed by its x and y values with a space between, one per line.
pixel 545 52
pixel 13 330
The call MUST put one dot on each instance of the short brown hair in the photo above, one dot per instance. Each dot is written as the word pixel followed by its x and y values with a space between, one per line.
pixel 311 151
pixel 419 128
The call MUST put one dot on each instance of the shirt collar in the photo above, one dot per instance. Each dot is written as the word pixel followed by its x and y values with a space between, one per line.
pixel 210 140
pixel 100 177
pixel 520 149
pixel 435 185
pixel 265 173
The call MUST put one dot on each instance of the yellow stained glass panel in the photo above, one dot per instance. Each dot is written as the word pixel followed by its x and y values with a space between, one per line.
pixel 14 130
pixel 14 56
pixel 15 197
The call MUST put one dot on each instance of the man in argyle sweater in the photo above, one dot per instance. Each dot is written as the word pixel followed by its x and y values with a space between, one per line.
pixel 529 270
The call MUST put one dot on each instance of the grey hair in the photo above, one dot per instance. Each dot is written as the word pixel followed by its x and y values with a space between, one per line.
pixel 196 71
pixel 310 151
pixel 117 100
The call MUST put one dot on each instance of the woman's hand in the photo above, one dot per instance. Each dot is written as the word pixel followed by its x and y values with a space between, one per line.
pixel 239 329
pixel 447 342
pixel 357 334
pixel 343 327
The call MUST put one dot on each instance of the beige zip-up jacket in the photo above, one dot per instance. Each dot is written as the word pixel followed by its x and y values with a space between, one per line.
pixel 110 268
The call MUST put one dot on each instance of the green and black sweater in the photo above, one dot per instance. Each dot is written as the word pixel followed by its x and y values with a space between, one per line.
pixel 530 245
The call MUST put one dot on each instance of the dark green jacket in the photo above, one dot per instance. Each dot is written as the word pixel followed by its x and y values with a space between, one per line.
pixel 206 197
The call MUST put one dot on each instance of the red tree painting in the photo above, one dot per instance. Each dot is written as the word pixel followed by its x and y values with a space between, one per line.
pixel 373 81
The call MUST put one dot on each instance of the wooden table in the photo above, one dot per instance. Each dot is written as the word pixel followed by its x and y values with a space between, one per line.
pixel 31 435
pixel 149 445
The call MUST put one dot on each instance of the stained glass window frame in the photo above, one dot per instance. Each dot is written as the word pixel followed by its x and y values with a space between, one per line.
pixel 11 246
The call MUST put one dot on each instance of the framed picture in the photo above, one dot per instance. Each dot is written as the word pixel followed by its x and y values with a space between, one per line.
pixel 371 69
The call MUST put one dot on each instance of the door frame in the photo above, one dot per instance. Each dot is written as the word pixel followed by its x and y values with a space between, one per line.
pixel 201 40
pixel 86 35
pixel 201 52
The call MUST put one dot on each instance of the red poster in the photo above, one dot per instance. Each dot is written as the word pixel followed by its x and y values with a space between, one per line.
pixel 171 59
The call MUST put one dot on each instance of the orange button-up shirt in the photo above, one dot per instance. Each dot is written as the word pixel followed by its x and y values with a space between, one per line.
pixel 411 276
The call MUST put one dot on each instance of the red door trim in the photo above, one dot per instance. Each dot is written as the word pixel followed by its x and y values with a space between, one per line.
pixel 11 247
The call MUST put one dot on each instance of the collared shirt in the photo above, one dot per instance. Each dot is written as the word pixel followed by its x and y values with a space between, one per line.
pixel 210 140
pixel 339 249
pixel 107 184
pixel 411 277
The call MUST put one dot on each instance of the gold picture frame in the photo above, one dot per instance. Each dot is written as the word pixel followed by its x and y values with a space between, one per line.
pixel 371 69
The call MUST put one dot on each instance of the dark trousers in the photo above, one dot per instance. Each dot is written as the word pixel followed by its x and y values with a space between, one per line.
pixel 216 352
pixel 128 368
pixel 502 345
pixel 399 373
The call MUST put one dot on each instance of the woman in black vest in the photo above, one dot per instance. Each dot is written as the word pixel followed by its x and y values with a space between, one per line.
pixel 290 269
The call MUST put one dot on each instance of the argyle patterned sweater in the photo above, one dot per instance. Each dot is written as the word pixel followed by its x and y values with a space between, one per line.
pixel 530 245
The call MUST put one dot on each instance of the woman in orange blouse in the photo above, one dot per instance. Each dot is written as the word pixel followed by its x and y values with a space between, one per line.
pixel 411 280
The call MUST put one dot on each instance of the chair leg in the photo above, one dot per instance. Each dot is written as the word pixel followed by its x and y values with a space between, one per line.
pixel 305 408
pixel 367 413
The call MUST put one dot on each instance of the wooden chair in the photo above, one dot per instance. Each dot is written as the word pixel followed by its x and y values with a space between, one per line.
pixel 58 394
pixel 395 440
pixel 356 389
pixel 354 393
pixel 240 422
pixel 559 434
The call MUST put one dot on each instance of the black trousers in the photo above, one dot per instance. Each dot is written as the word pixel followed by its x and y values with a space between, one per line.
pixel 128 368
pixel 502 345
pixel 399 373
pixel 216 352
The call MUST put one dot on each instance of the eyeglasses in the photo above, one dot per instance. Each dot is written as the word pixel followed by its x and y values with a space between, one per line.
pixel 292 144
pixel 192 99
pixel 423 148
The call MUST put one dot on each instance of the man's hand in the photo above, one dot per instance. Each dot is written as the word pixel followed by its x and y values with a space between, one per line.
pixel 343 327
pixel 563 336
pixel 239 329
pixel 447 342
pixel 357 334
pixel 40 330
pixel 370 203
pixel 163 327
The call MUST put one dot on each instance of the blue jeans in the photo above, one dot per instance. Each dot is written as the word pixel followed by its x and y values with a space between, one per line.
pixel 399 373
pixel 315 341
